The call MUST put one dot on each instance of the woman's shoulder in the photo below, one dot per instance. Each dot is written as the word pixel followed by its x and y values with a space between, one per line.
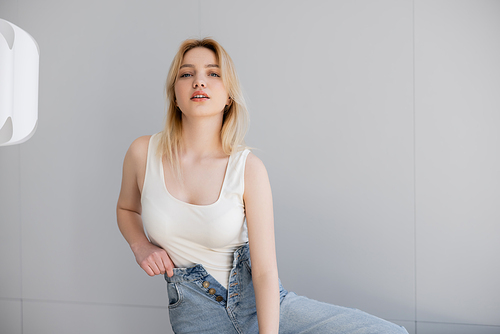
pixel 140 145
pixel 138 151
pixel 256 179
pixel 254 167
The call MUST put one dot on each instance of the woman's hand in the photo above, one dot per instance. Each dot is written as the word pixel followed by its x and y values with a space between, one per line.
pixel 153 260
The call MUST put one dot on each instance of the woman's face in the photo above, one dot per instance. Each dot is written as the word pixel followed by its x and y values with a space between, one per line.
pixel 199 89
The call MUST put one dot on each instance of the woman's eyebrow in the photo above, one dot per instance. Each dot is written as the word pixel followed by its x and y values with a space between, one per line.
pixel 191 65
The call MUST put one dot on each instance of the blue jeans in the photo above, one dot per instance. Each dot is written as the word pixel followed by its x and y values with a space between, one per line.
pixel 200 304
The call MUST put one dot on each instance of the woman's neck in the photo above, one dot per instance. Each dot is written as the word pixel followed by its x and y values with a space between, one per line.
pixel 201 136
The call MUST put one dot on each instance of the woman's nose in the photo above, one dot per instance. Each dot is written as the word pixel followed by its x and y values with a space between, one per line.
pixel 198 82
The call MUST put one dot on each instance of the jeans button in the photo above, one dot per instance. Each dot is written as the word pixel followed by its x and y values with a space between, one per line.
pixel 206 284
pixel 219 298
pixel 211 291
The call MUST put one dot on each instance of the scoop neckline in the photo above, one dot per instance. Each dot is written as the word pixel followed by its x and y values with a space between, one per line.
pixel 190 204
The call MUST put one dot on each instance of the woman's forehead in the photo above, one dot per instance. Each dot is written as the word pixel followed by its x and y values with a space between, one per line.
pixel 199 55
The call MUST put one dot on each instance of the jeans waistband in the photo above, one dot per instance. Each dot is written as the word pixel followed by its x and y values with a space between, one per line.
pixel 197 271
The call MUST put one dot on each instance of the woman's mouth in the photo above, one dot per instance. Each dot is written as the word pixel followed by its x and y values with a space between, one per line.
pixel 198 98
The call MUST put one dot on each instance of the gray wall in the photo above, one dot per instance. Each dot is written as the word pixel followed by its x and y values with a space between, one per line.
pixel 378 122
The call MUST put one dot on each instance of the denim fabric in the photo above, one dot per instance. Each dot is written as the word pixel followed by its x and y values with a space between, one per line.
pixel 200 304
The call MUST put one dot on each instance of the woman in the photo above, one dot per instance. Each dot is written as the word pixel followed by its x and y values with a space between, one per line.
pixel 205 201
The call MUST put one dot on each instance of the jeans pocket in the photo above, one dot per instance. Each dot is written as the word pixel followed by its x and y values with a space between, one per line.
pixel 174 295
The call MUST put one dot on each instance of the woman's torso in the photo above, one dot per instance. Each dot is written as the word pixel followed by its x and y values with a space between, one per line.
pixel 206 234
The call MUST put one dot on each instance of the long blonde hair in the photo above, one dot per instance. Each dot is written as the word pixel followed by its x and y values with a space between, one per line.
pixel 235 120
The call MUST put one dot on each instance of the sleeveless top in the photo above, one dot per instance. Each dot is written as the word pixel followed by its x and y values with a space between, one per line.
pixel 196 234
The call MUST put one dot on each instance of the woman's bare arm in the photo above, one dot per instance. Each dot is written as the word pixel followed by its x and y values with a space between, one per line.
pixel 260 221
pixel 152 259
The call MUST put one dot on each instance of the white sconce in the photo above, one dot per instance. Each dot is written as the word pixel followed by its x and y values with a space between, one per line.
pixel 19 61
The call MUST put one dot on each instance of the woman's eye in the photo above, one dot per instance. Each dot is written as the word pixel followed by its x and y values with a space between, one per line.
pixel 214 75
pixel 185 75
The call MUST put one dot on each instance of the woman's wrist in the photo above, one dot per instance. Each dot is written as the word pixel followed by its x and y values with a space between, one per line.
pixel 138 244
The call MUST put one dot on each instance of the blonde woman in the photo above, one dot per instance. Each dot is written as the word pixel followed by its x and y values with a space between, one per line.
pixel 205 202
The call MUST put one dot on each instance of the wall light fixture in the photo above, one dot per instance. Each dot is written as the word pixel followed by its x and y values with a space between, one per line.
pixel 19 65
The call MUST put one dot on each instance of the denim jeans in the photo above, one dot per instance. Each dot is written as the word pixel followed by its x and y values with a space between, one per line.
pixel 200 304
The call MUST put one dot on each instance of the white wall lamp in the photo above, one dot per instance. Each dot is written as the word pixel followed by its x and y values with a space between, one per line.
pixel 19 62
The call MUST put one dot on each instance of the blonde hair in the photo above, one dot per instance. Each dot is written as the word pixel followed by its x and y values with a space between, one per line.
pixel 235 120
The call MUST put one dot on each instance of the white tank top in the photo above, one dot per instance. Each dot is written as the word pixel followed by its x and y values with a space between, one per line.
pixel 192 234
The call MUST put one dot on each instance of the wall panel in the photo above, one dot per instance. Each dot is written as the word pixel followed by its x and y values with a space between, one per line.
pixel 10 316
pixel 457 144
pixel 437 328
pixel 50 318
pixel 102 72
pixel 10 223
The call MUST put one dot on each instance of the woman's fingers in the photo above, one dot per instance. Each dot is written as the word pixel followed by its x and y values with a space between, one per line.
pixel 170 272
pixel 158 261
pixel 154 260
pixel 146 267
pixel 168 265
pixel 150 267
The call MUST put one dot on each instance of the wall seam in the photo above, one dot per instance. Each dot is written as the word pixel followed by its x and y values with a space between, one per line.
pixel 10 299
pixel 69 302
pixel 20 238
pixel 20 220
pixel 458 324
pixel 414 169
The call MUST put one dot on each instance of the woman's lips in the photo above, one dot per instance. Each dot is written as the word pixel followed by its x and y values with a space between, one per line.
pixel 199 96
pixel 199 99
